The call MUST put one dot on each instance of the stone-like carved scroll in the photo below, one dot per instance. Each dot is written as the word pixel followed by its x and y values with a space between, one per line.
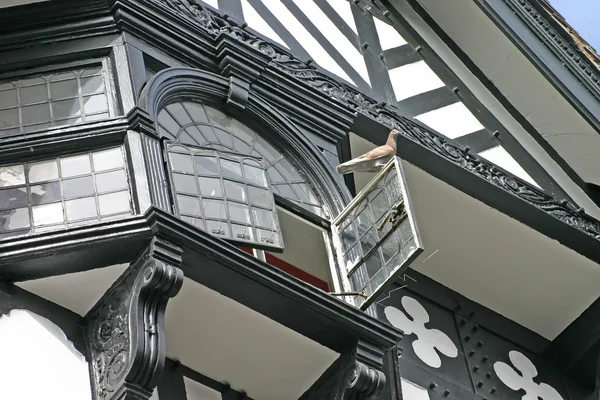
pixel 125 329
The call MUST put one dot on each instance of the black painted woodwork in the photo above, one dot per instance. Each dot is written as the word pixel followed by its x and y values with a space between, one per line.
pixel 482 337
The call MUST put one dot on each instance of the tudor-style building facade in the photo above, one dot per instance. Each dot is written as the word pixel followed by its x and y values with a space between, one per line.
pixel 173 225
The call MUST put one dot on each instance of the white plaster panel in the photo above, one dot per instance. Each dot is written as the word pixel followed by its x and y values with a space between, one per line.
pixel 342 7
pixel 491 103
pixel 499 156
pixel 452 121
pixel 411 391
pixel 389 38
pixel 197 391
pixel 306 40
pixel 39 362
pixel 413 79
pixel 79 291
pixel 256 22
pixel 334 36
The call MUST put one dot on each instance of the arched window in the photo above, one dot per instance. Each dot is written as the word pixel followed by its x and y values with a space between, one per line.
pixel 38 361
pixel 200 125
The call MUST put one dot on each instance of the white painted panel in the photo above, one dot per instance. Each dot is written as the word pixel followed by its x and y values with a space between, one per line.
pixel 502 158
pixel 334 36
pixel 84 288
pixel 39 362
pixel 305 39
pixel 453 121
pixel 214 3
pixel 413 79
pixel 343 8
pixel 256 22
pixel 388 36
pixel 197 391
pixel 411 391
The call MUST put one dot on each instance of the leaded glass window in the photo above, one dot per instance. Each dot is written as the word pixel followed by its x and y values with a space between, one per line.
pixel 376 236
pixel 225 194
pixel 200 125
pixel 64 192
pixel 53 100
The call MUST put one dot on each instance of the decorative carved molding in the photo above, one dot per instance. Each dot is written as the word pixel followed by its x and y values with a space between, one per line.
pixel 354 375
pixel 125 329
pixel 216 26
pixel 569 54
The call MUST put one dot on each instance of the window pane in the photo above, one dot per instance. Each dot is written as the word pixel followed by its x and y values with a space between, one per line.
pixel 207 165
pixel 92 85
pixel 182 163
pixel 34 94
pixel 241 232
pixel 13 197
pixel 66 109
pixel 210 187
pixel 185 184
pixel 95 104
pixel 111 181
pixel 263 218
pixel 45 193
pixel 36 114
pixel 181 116
pixel 84 208
pixel 12 176
pixel 9 118
pixel 108 159
pixel 214 209
pixel 47 214
pixel 189 205
pixel 64 89
pixel 217 228
pixel 239 213
pixel 14 219
pixel 168 122
pixel 78 187
pixel 235 191
pixel 259 197
pixel 114 203
pixel 75 165
pixel 268 237
pixel 8 98
pixel 255 175
pixel 231 169
pixel 42 171
pixel 216 117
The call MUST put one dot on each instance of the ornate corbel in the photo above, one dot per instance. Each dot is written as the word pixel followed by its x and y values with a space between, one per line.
pixel 125 330
pixel 355 375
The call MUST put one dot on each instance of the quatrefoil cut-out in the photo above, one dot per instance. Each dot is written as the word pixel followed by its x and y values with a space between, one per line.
pixel 524 380
pixel 428 340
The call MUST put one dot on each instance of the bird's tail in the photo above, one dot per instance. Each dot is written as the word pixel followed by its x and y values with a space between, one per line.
pixel 346 168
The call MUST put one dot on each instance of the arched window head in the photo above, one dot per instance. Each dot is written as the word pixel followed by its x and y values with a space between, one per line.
pixel 200 125
pixel 38 361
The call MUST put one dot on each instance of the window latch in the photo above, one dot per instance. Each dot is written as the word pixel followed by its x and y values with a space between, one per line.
pixel 395 215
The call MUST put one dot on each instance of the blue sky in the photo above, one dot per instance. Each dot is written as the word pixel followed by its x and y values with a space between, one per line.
pixel 582 15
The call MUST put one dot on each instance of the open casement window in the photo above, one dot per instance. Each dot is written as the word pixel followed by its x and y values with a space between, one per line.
pixel 225 194
pixel 376 237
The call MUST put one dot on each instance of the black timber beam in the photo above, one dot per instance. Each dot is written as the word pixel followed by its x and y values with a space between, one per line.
pixel 477 141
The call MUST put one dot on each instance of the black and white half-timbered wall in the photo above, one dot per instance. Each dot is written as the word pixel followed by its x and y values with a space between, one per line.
pixel 173 226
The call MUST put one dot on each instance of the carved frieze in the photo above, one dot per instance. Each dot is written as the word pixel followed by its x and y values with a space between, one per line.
pixel 215 25
pixel 125 330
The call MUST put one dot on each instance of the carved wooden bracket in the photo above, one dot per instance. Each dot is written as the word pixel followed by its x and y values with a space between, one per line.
pixel 125 330
pixel 356 375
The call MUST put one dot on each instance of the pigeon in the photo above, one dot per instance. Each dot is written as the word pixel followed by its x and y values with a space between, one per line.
pixel 374 160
